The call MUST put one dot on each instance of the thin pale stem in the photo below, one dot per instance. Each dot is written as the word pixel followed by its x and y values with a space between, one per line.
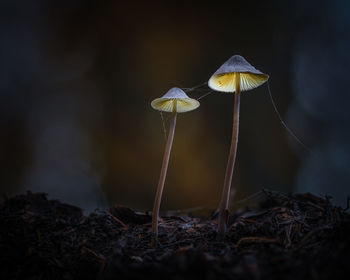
pixel 224 204
pixel 163 172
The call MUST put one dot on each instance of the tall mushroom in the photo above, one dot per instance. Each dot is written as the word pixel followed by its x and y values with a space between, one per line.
pixel 174 101
pixel 235 75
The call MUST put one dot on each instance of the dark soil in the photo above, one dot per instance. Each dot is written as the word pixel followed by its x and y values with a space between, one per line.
pixel 287 237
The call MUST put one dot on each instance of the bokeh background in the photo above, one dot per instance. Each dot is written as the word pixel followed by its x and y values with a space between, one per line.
pixel 77 78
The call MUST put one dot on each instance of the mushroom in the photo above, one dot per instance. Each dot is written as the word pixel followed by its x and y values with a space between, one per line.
pixel 174 101
pixel 235 75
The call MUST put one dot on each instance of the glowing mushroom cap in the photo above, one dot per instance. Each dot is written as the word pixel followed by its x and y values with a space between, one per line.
pixel 167 102
pixel 223 79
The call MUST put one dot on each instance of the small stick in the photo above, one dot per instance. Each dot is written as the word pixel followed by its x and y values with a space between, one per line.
pixel 97 255
pixel 118 220
pixel 254 239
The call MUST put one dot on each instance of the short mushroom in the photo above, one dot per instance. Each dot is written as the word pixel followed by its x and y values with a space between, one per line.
pixel 235 75
pixel 174 101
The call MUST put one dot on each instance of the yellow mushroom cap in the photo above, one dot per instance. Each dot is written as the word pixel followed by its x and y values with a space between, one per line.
pixel 167 102
pixel 223 79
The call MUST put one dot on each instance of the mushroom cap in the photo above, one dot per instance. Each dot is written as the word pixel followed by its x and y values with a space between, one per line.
pixel 224 78
pixel 167 102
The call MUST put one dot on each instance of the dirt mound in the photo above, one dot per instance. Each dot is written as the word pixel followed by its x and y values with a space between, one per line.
pixel 287 237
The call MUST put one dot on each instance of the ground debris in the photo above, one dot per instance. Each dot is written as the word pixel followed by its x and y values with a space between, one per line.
pixel 288 237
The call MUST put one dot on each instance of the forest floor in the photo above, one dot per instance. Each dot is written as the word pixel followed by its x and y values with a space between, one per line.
pixel 287 237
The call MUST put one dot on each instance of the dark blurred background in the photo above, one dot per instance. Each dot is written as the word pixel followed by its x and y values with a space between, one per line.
pixel 77 79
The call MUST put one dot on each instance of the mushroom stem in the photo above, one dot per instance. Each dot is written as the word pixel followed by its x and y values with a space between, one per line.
pixel 224 204
pixel 163 172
